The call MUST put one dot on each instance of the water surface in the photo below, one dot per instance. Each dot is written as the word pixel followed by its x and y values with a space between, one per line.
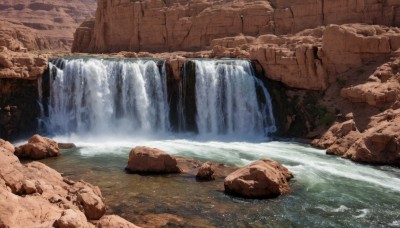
pixel 326 191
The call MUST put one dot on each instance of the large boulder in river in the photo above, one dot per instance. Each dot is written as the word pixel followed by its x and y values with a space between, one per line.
pixel 38 147
pixel 261 179
pixel 151 160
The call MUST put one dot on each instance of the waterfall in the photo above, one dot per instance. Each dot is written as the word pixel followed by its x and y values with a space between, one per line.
pixel 107 96
pixel 227 101
pixel 110 96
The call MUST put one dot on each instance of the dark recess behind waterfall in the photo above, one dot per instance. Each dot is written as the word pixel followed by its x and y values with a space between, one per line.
pixel 22 96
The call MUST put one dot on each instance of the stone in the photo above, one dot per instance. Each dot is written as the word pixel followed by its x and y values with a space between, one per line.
pixel 29 187
pixel 92 202
pixel 38 147
pixel 34 195
pixel 73 219
pixel 114 221
pixel 261 179
pixel 206 172
pixel 151 160
pixel 162 220
pixel 382 88
pixel 7 146
pixel 380 143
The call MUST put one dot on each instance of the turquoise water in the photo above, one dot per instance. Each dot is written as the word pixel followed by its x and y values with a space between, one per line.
pixel 327 191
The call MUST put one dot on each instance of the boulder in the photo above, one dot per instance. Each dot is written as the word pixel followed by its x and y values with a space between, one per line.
pixel 151 160
pixel 114 221
pixel 73 219
pixel 206 172
pixel 91 200
pixel 261 179
pixel 38 147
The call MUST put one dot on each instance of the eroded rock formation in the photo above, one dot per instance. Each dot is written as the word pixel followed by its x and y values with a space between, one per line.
pixel 369 134
pixel 177 25
pixel 33 194
pixel 19 94
pixel 42 24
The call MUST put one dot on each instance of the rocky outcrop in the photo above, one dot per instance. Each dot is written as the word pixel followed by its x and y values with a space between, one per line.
pixel 45 24
pixel 177 25
pixel 34 195
pixel 17 37
pixel 261 179
pixel 83 36
pixel 21 65
pixel 38 147
pixel 378 144
pixel 19 94
pixel 151 160
pixel 381 89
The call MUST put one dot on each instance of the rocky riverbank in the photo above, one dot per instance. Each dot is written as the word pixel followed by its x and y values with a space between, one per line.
pixel 32 194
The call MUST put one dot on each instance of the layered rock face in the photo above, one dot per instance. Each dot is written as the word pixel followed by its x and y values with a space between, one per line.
pixel 156 25
pixel 43 24
pixel 17 37
pixel 374 140
pixel 19 93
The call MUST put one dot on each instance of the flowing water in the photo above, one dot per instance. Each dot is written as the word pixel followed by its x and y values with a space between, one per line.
pixel 326 191
pixel 106 107
pixel 107 97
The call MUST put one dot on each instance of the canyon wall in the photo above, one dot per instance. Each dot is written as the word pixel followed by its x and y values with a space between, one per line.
pixel 40 25
pixel 176 25
pixel 294 41
pixel 19 92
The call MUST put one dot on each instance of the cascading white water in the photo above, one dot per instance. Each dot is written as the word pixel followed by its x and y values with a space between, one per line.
pixel 226 99
pixel 107 96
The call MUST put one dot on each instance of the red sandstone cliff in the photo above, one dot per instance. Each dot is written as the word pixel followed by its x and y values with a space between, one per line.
pixel 47 24
pixel 155 25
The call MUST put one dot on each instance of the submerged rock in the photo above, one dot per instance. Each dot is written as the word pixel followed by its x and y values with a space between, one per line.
pixel 206 172
pixel 151 160
pixel 66 145
pixel 261 179
pixel 114 221
pixel 38 147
